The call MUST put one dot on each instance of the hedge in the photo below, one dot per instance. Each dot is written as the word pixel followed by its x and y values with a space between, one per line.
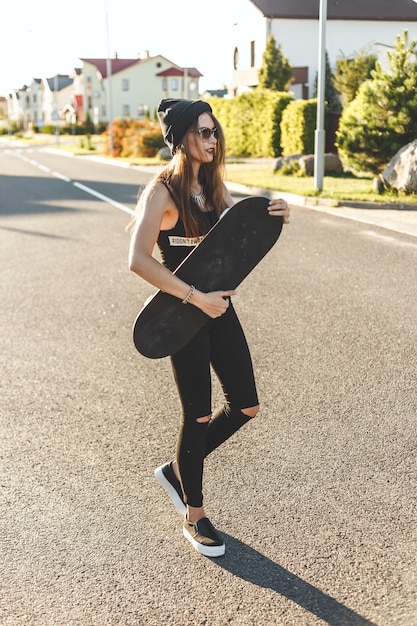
pixel 298 126
pixel 251 122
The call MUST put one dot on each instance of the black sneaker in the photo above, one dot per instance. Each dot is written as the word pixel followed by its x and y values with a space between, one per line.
pixel 166 477
pixel 204 537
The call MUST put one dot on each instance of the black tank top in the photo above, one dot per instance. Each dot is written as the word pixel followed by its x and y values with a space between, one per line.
pixel 174 246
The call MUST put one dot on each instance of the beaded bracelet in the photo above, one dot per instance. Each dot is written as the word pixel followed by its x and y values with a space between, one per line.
pixel 189 295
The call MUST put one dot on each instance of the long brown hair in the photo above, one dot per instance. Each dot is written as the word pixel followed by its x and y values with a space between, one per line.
pixel 178 176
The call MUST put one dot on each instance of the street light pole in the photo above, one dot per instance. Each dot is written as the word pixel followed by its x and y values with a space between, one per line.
pixel 319 137
pixel 109 86
pixel 56 88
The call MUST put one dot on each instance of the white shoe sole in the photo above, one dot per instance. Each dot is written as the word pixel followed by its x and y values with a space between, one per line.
pixel 171 491
pixel 212 551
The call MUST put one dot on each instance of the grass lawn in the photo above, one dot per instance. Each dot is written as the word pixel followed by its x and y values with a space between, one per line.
pixel 337 188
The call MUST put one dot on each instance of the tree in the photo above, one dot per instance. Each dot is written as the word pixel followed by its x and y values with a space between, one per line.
pixel 276 71
pixel 382 117
pixel 330 92
pixel 352 71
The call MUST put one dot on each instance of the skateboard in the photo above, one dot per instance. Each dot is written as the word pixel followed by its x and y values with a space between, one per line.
pixel 221 261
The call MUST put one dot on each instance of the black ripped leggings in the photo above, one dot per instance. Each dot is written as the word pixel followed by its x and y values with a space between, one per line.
pixel 221 343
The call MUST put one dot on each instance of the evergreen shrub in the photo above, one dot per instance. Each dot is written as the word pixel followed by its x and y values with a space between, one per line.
pixel 382 117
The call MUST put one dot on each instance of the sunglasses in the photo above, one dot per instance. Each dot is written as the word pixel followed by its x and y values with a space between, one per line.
pixel 206 133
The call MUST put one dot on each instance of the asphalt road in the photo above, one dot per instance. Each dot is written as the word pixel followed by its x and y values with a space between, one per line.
pixel 315 498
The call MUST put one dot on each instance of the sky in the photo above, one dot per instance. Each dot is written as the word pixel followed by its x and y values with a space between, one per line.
pixel 40 38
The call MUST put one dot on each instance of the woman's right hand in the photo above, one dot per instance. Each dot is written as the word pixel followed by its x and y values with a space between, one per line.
pixel 214 303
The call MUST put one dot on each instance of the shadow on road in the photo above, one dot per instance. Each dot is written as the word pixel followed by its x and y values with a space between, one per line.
pixel 26 195
pixel 34 233
pixel 244 562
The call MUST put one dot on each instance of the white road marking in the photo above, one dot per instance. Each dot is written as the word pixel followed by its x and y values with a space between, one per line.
pixel 100 196
pixel 89 190
pixel 61 177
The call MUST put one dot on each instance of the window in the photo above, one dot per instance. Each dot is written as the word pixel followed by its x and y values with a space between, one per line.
pixel 164 84
pixel 126 110
pixel 252 54
pixel 235 58
pixel 125 84
pixel 143 110
pixel 174 84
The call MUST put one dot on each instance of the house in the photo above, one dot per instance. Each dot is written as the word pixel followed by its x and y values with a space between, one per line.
pixel 131 88
pixel 102 89
pixel 25 105
pixel 3 112
pixel 351 25
pixel 213 93
pixel 40 103
pixel 55 93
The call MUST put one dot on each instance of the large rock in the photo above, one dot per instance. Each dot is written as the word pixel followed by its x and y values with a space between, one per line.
pixel 401 171
pixel 286 160
pixel 332 164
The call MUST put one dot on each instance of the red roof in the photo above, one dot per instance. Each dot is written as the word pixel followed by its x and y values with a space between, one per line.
pixel 117 65
pixel 175 71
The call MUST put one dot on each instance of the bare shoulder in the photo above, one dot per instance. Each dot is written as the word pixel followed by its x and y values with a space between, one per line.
pixel 155 198
pixel 158 206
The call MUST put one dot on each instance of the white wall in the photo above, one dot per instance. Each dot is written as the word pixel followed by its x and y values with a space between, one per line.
pixel 251 26
pixel 299 41
pixel 145 88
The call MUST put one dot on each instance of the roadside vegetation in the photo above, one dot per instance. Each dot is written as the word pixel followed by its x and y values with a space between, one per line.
pixel 375 108
pixel 246 171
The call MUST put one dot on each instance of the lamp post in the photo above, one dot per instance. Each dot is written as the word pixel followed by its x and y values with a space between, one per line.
pixel 109 86
pixel 185 79
pixel 319 136
pixel 56 112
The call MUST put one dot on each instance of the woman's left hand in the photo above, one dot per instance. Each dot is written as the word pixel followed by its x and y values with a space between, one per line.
pixel 280 207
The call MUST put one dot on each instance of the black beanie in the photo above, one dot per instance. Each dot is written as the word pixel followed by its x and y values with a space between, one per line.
pixel 176 117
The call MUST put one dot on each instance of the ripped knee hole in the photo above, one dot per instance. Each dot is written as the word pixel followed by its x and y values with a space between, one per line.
pixel 251 411
pixel 203 420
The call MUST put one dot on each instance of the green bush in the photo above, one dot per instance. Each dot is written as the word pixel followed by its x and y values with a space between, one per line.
pixel 289 169
pixel 48 129
pixel 82 129
pixel 297 127
pixel 382 117
pixel 352 71
pixel 251 122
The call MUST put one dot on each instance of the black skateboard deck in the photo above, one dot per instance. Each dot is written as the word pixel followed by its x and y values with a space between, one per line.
pixel 226 255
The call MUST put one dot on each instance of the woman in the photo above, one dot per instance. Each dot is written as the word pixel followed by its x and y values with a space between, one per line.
pixel 177 208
